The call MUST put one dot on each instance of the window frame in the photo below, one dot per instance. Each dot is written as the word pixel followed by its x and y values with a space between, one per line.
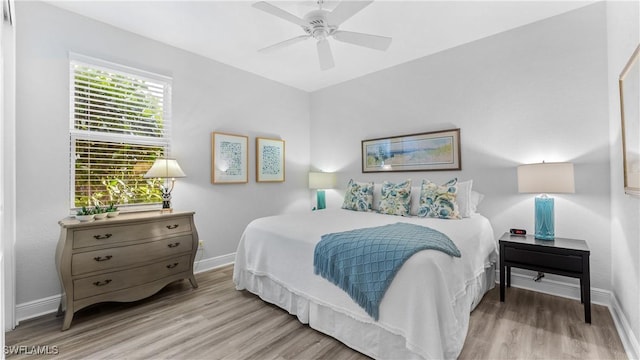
pixel 88 135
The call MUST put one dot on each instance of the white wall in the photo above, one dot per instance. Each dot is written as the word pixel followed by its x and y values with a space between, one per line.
pixel 623 37
pixel 535 93
pixel 7 170
pixel 207 96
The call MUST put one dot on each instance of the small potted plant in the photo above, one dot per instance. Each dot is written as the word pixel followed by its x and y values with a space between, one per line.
pixel 85 214
pixel 99 212
pixel 112 210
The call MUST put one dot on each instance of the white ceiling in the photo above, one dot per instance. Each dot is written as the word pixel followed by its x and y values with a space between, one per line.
pixel 231 32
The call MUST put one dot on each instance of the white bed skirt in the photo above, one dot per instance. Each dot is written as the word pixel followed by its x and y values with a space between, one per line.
pixel 368 338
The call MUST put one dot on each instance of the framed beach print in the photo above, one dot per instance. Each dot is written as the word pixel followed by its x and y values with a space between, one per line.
pixel 229 158
pixel 437 150
pixel 269 160
pixel 629 83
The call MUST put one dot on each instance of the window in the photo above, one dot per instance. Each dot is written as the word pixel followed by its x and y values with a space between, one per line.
pixel 120 123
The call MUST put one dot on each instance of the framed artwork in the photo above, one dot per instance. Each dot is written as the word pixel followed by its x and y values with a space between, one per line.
pixel 269 160
pixel 437 150
pixel 629 83
pixel 229 158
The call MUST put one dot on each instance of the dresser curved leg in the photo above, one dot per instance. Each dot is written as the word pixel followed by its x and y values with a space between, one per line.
pixel 192 280
pixel 68 316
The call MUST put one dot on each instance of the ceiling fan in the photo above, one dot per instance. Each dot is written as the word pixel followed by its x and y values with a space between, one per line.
pixel 321 24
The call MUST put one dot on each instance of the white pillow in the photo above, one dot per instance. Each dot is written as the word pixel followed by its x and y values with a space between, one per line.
pixel 415 200
pixel 464 198
pixel 377 193
pixel 476 199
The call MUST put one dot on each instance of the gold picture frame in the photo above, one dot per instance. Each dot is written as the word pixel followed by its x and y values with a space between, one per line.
pixel 270 160
pixel 229 158
pixel 431 151
pixel 629 83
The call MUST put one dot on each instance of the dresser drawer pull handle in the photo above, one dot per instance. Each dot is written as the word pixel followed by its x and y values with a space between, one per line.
pixel 102 283
pixel 102 237
pixel 174 245
pixel 171 227
pixel 100 258
pixel 171 266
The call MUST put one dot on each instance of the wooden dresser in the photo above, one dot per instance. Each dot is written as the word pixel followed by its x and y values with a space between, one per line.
pixel 125 258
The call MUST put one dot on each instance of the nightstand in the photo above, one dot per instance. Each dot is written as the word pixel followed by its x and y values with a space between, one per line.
pixel 566 257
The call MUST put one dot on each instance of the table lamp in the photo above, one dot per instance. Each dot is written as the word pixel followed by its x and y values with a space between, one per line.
pixel 165 169
pixel 321 181
pixel 545 178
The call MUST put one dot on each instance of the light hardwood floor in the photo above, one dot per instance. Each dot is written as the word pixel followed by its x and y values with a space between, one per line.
pixel 217 322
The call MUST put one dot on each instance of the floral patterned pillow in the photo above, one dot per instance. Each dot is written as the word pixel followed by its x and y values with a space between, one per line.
pixel 359 196
pixel 439 201
pixel 395 199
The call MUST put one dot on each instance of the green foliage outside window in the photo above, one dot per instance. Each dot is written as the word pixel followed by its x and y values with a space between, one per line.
pixel 118 133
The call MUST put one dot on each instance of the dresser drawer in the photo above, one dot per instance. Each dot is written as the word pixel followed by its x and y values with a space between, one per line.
pixel 552 261
pixel 104 259
pixel 116 234
pixel 118 280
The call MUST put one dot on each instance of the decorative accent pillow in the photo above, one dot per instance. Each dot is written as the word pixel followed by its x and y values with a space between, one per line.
pixel 439 201
pixel 395 199
pixel 358 197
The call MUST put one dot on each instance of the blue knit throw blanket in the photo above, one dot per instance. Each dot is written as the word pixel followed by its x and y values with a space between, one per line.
pixel 363 262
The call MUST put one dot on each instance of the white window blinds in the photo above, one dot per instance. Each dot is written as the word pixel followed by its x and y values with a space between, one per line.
pixel 120 123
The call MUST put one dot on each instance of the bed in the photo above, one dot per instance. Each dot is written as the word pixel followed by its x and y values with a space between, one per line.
pixel 425 311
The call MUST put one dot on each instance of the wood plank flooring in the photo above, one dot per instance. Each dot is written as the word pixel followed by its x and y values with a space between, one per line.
pixel 217 322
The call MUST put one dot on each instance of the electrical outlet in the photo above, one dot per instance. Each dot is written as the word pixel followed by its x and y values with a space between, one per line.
pixel 201 243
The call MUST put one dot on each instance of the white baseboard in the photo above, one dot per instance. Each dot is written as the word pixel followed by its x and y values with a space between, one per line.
pixel 628 338
pixel 214 262
pixel 37 308
pixel 557 288
pixel 50 304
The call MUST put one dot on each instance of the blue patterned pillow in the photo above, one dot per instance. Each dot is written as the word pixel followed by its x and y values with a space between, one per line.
pixel 439 201
pixel 359 196
pixel 395 199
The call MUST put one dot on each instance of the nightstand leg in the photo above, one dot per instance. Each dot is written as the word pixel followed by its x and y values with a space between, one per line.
pixel 508 276
pixel 581 292
pixel 502 273
pixel 586 285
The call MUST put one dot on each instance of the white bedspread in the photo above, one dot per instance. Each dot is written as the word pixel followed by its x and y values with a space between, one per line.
pixel 425 312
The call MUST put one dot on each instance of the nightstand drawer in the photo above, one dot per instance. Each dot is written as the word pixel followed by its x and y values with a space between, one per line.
pixel 95 236
pixel 118 280
pixel 86 262
pixel 541 259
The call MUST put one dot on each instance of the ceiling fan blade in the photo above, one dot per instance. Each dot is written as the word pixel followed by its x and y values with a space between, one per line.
pixel 276 11
pixel 345 10
pixel 366 40
pixel 324 54
pixel 282 44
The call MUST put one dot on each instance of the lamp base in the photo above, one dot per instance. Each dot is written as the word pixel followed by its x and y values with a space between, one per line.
pixel 544 218
pixel 322 203
pixel 166 201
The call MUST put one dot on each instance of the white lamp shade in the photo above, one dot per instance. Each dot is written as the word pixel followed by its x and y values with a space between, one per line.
pixel 546 178
pixel 165 168
pixel 322 180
